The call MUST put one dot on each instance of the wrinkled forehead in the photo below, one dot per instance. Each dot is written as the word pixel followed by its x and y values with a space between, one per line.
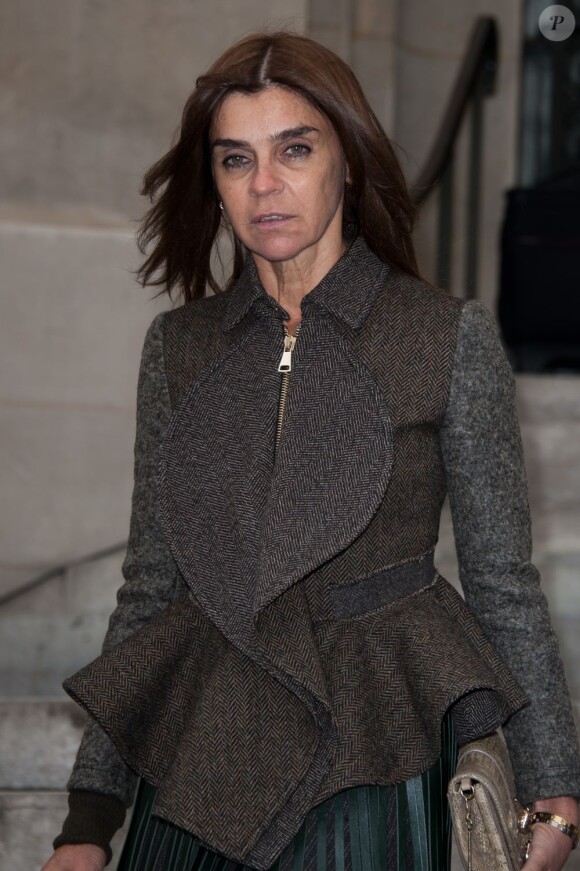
pixel 264 114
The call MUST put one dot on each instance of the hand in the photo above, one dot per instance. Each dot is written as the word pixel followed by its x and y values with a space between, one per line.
pixel 76 857
pixel 550 848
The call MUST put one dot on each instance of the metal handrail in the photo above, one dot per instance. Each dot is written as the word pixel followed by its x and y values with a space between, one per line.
pixel 480 56
pixel 59 571
pixel 475 81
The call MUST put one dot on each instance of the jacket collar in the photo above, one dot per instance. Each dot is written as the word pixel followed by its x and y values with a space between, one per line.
pixel 347 291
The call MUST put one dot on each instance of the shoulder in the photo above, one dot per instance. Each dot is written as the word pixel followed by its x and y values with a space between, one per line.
pixel 190 337
pixel 186 325
pixel 468 323
pixel 478 325
pixel 203 312
pixel 181 326
pixel 418 302
pixel 479 342
pixel 417 317
pixel 482 373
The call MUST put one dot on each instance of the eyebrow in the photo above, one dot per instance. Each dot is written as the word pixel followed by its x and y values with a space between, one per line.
pixel 282 136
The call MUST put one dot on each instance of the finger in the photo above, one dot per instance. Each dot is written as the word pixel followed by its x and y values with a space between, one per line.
pixel 549 849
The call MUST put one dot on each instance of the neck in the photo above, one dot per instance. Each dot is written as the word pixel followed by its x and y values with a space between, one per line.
pixel 289 281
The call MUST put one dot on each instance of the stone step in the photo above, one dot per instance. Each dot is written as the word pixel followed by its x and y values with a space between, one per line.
pixel 68 378
pixel 29 822
pixel 51 632
pixel 549 414
pixel 39 739
pixel 545 399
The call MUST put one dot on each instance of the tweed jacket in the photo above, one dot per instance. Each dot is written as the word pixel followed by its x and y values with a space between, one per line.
pixel 305 642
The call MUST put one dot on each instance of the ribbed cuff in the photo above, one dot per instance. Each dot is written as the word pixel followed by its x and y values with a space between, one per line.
pixel 93 818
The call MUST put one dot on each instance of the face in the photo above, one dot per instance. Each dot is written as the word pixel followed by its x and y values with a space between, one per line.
pixel 280 172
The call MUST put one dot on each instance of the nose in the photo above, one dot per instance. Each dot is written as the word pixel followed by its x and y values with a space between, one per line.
pixel 265 179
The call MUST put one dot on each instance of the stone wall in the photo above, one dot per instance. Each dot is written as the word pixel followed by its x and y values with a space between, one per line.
pixel 92 90
pixel 363 33
pixel 90 95
pixel 406 54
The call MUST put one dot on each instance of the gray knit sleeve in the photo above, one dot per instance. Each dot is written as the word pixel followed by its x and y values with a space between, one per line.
pixel 487 485
pixel 151 577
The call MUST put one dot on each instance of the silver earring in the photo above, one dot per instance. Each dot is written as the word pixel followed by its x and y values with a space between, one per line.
pixel 221 205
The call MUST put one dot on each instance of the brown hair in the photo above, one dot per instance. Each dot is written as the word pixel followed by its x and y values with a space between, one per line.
pixel 185 217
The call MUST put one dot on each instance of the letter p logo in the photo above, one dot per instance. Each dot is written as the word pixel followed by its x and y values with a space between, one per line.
pixel 557 23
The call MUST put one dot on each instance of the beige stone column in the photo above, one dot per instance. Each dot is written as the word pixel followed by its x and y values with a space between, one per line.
pixel 362 32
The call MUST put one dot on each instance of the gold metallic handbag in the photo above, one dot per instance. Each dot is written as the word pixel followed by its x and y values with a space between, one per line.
pixel 487 818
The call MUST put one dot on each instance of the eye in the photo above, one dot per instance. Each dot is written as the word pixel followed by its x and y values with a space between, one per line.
pixel 298 149
pixel 235 161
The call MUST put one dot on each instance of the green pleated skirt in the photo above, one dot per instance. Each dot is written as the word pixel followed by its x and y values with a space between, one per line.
pixel 403 827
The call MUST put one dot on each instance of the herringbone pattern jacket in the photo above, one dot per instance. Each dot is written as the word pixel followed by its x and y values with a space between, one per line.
pixel 311 644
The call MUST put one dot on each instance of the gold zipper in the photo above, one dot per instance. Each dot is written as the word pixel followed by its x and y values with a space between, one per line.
pixel 285 367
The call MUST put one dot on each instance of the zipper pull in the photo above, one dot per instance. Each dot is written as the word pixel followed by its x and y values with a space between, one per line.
pixel 285 364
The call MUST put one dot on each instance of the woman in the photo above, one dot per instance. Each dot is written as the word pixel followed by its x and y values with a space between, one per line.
pixel 286 670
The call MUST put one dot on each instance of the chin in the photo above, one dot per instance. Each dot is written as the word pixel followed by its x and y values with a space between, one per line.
pixel 278 250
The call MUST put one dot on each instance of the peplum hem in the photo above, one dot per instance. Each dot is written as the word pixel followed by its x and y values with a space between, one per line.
pixel 204 722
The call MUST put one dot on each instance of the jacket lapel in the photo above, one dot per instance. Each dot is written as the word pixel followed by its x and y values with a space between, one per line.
pixel 214 477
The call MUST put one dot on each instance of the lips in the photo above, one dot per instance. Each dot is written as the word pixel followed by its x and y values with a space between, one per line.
pixel 272 218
